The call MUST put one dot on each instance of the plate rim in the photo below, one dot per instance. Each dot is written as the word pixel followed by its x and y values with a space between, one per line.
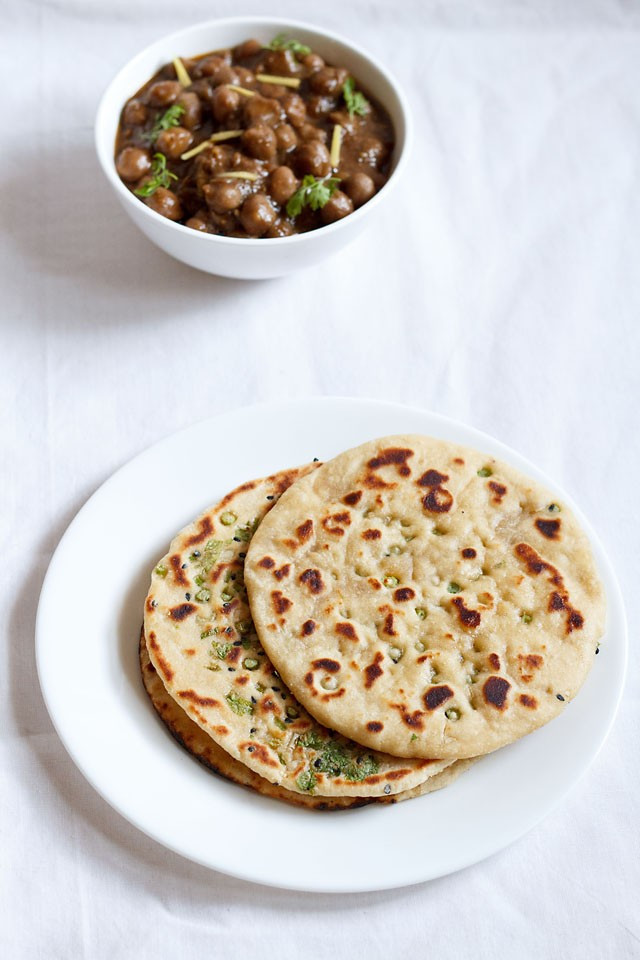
pixel 615 607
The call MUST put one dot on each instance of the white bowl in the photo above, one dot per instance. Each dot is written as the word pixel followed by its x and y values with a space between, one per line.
pixel 249 259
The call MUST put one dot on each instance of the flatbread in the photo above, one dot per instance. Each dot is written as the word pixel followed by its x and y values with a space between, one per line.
pixel 208 752
pixel 202 642
pixel 436 602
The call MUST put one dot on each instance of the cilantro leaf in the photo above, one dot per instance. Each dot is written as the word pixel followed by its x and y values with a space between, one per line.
pixel 170 118
pixel 307 781
pixel 313 192
pixel 355 100
pixel 280 42
pixel 160 177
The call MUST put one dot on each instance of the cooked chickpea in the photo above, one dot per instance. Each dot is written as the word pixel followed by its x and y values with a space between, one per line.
pixel 246 78
pixel 313 62
pixel 328 81
pixel 295 109
pixel 224 103
pixel 308 133
pixel 192 106
pixel 260 142
pixel 250 48
pixel 312 157
pixel 281 228
pixel 257 214
pixel 164 93
pixel 286 137
pixel 135 112
pixel 223 196
pixel 259 109
pixel 132 163
pixel 197 223
pixel 281 63
pixel 360 187
pixel 337 207
pixel 165 202
pixel 372 151
pixel 283 184
pixel 318 106
pixel 174 141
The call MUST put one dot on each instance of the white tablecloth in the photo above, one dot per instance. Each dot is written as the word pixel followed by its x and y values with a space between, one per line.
pixel 501 288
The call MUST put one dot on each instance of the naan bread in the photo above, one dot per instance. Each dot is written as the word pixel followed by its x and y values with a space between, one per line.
pixel 202 642
pixel 425 599
pixel 207 751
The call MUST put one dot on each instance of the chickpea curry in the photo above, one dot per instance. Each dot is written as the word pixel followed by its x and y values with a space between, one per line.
pixel 258 141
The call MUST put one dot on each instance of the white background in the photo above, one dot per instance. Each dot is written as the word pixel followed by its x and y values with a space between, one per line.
pixel 502 288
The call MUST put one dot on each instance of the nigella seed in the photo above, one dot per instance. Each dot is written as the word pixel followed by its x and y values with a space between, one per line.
pixel 272 497
pixel 188 596
pixel 253 730
pixel 184 566
pixel 387 789
pixel 253 700
pixel 242 555
pixel 560 697
pixel 288 720
pixel 237 643
pixel 250 749
pixel 231 669
pixel 237 539
pixel 196 553
pixel 317 763
pixel 597 649
pixel 316 459
pixel 276 689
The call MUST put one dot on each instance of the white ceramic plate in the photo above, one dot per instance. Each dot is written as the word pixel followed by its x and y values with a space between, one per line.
pixel 87 641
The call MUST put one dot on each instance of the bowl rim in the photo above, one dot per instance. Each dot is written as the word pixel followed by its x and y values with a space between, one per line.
pixel 108 166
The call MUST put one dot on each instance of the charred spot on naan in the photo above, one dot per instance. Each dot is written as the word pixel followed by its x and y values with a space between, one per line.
pixel 373 671
pixel 530 702
pixel 165 667
pixel 548 528
pixel 495 691
pixel 498 490
pixel 312 579
pixel 438 499
pixel 279 602
pixel 352 499
pixel 205 529
pixel 559 600
pixel 193 697
pixel 181 612
pixel 179 576
pixel 435 696
pixel 347 630
pixel 393 456
pixel 469 619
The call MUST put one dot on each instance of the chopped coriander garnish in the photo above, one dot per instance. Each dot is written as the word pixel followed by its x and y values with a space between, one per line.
pixel 307 781
pixel 279 723
pixel 161 570
pixel 553 508
pixel 249 663
pixel 421 613
pixel 228 518
pixel 355 100
pixel 209 632
pixel 391 581
pixel 226 597
pixel 281 42
pixel 160 177
pixel 414 736
pixel 313 192
pixel 454 587
pixel 203 595
pixel 485 472
pixel 222 649
pixel 452 714
pixel 170 118
pixel 238 704
pixel 526 617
